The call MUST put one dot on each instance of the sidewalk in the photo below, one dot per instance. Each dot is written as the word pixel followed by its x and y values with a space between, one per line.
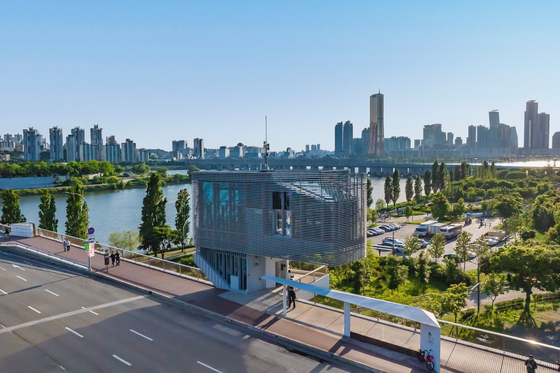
pixel 316 326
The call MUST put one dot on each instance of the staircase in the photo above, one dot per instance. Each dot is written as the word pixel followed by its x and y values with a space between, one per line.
pixel 211 273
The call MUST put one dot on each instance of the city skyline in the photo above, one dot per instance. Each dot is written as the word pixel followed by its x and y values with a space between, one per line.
pixel 305 65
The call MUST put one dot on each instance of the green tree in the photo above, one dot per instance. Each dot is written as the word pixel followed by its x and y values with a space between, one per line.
pixel 369 193
pixel 442 176
pixel 395 273
pixel 127 240
pixel 480 247
pixel 165 236
pixel 409 189
pixel 459 208
pixel 451 270
pixel 508 205
pixel 456 298
pixel 411 245
pixel 77 213
pixel 463 246
pixel 427 183
pixel 11 212
pixel 191 170
pixel 141 169
pixel 437 246
pixel 153 215
pixel 408 211
pixel 182 225
pixel 418 188
pixel 396 187
pixel 388 190
pixel 380 204
pixel 423 271
pixel 162 171
pixel 47 212
pixel 531 267
pixel 493 286
pixel 440 206
pixel 435 177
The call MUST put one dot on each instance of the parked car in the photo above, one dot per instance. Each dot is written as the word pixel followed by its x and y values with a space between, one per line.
pixel 423 244
pixel 379 231
pixel 370 233
pixel 386 228
pixel 373 232
pixel 454 256
pixel 389 241
pixel 399 247
pixel 492 241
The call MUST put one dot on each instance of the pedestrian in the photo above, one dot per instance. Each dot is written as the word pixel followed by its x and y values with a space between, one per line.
pixel 291 297
pixel 118 258
pixel 67 244
pixel 290 275
pixel 531 364
pixel 112 258
pixel 7 234
pixel 64 244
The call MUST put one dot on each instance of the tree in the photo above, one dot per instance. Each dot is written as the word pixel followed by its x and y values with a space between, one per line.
pixel 440 206
pixel 47 212
pixel 531 267
pixel 153 215
pixel 162 171
pixel 435 177
pixel 418 188
pixel 395 273
pixel 388 190
pixel 441 176
pixel 396 187
pixel 437 247
pixel 77 213
pixel 408 212
pixel 451 270
pixel 165 236
pixel 423 271
pixel 456 298
pixel 459 208
pixel 191 170
pixel 480 247
pixel 141 169
pixel 411 245
pixel 427 183
pixel 463 246
pixel 409 189
pixel 493 286
pixel 380 204
pixel 369 192
pixel 509 205
pixel 11 212
pixel 127 240
pixel 182 224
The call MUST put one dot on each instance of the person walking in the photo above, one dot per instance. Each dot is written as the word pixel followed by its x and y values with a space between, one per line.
pixel 68 244
pixel 118 258
pixel 64 245
pixel 7 234
pixel 291 297
pixel 113 258
pixel 531 364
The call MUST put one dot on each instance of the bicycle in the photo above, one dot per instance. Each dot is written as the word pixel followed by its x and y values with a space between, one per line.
pixel 425 357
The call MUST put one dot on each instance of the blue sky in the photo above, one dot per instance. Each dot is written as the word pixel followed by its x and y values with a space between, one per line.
pixel 155 71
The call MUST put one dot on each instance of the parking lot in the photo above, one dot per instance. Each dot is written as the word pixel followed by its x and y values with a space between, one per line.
pixel 407 229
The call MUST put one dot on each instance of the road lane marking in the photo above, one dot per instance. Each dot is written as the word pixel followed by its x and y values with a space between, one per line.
pixel 209 367
pixel 21 278
pixel 34 309
pixel 141 335
pixel 72 313
pixel 61 367
pixel 3 292
pixel 95 313
pixel 2 268
pixel 48 291
pixel 16 266
pixel 78 334
pixel 122 360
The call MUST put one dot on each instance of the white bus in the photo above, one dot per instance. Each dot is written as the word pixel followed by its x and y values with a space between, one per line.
pixel 451 231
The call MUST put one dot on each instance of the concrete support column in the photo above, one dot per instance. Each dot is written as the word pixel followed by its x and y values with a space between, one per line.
pixel 284 300
pixel 430 339
pixel 347 319
pixel 362 170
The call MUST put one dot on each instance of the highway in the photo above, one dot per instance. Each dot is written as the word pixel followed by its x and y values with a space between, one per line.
pixel 54 320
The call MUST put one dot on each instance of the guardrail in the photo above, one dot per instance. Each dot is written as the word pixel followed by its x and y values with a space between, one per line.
pixel 317 272
pixel 131 256
pixel 43 253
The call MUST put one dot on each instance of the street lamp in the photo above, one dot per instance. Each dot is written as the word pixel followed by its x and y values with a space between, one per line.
pixel 76 194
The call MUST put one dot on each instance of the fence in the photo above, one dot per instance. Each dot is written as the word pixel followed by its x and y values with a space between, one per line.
pixel 132 256
pixel 310 277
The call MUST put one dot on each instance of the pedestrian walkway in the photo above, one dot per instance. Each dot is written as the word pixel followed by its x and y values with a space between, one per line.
pixel 316 326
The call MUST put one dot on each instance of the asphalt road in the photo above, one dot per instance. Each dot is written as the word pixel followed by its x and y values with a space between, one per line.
pixel 408 229
pixel 53 320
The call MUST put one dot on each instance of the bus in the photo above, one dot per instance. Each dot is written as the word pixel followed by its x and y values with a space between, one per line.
pixel 451 231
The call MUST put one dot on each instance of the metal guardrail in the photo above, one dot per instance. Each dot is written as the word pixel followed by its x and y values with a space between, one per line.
pixel 43 253
pixel 132 256
pixel 315 273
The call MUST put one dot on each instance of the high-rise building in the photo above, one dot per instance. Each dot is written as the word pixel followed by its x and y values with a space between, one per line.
pixel 177 147
pixel 543 135
pixel 198 146
pixel 237 151
pixel 513 142
pixel 531 120
pixel 450 139
pixel 71 146
pixel 365 141
pixel 318 147
pixel 18 138
pixel 79 137
pixel 556 140
pixel 143 155
pixel 537 127
pixel 86 152
pixel 112 152
pixel 433 136
pixel 348 135
pixel 97 143
pixel 394 143
pixel 32 141
pixel 307 148
pixel 57 144
pixel 417 144
pixel 111 140
pixel 223 152
pixel 458 142
pixel 313 147
pixel 338 139
pixel 128 149
pixel 494 134
pixel 376 125
pixel 482 137
pixel 471 138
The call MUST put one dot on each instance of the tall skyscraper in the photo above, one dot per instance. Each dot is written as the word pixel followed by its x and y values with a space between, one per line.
pixel 71 146
pixel 198 145
pixel 348 135
pixel 531 121
pixel 57 144
pixel 514 141
pixel 128 149
pixel 494 134
pixel 471 138
pixel 177 147
pixel 338 138
pixel 482 137
pixel 32 141
pixel 543 135
pixel 79 137
pixel 97 143
pixel 376 125
pixel 365 141
pixel 556 140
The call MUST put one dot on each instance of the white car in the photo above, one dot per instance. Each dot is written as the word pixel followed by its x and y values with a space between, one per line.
pixel 399 247
pixel 389 241
pixel 492 241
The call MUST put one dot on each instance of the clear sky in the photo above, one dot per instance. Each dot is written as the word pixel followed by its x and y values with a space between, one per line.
pixel 157 71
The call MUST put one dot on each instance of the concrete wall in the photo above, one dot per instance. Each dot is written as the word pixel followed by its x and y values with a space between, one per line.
pixel 321 282
pixel 256 268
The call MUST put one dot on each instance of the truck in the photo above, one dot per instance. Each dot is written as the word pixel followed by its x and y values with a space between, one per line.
pixel 451 231
pixel 422 229
pixel 436 228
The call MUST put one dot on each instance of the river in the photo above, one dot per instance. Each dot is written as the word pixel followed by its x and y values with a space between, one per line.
pixel 120 210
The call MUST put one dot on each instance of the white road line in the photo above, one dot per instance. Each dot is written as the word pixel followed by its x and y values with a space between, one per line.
pixel 78 334
pixel 48 291
pixel 61 367
pixel 21 278
pixel 121 360
pixel 34 309
pixel 141 335
pixel 2 268
pixel 16 266
pixel 3 292
pixel 91 311
pixel 209 367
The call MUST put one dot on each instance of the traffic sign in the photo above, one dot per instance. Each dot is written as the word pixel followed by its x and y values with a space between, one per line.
pixel 91 230
pixel 89 248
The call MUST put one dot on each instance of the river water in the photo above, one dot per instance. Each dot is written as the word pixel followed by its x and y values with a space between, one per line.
pixel 120 210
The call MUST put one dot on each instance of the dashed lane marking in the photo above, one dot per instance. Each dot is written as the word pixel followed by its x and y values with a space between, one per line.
pixel 122 360
pixel 48 291
pixel 141 335
pixel 209 367
pixel 95 313
pixel 34 309
pixel 78 334
pixel 3 292
pixel 21 278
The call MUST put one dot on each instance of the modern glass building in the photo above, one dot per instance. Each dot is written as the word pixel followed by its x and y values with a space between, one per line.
pixel 250 224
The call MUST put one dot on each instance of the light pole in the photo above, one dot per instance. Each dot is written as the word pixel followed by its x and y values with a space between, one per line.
pixel 89 258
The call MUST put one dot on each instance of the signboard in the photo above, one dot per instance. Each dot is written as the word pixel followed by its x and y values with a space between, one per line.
pixel 91 230
pixel 89 248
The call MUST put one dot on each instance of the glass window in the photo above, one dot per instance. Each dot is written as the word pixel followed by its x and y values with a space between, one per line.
pixel 278 221
pixel 287 223
pixel 276 201
pixel 286 201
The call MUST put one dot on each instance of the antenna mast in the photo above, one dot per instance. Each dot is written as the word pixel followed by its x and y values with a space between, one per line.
pixel 265 143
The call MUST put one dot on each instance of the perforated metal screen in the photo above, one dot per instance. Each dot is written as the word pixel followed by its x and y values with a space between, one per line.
pixel 306 216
